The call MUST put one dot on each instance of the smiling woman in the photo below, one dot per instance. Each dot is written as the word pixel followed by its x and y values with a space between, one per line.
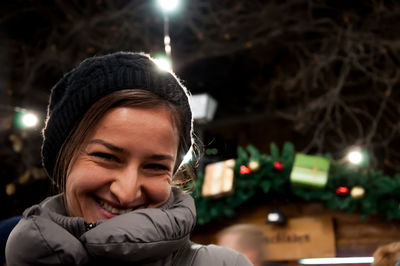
pixel 117 131
pixel 119 169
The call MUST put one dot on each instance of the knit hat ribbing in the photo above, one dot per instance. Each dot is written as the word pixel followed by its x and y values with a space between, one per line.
pixel 96 77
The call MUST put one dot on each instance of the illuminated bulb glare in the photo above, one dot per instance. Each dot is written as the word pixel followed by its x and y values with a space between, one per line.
pixel 273 217
pixel 29 120
pixel 167 40
pixel 168 49
pixel 348 260
pixel 163 64
pixel 355 157
pixel 168 5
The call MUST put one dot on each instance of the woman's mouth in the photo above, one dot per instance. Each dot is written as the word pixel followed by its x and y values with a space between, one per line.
pixel 112 209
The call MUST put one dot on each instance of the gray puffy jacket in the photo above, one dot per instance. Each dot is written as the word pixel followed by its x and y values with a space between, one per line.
pixel 154 236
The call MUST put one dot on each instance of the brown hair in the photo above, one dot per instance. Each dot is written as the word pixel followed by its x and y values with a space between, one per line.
pixel 122 98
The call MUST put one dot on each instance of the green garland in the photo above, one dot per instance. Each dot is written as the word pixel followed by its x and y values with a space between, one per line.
pixel 382 193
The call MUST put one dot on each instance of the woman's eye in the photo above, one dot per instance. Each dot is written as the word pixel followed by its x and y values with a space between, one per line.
pixel 104 156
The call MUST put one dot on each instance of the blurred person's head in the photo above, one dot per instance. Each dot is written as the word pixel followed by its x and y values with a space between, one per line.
pixel 244 238
pixel 387 255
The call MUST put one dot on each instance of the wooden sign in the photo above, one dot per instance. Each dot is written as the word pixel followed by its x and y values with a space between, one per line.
pixel 218 178
pixel 305 237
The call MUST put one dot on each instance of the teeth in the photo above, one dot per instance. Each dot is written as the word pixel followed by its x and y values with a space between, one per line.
pixel 111 209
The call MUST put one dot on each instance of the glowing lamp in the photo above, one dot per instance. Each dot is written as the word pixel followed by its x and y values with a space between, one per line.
pixel 276 217
pixel 358 157
pixel 24 119
pixel 355 157
pixel 168 5
pixel 203 108
pixel 29 120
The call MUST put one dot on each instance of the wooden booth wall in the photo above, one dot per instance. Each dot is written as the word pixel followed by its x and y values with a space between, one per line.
pixel 353 236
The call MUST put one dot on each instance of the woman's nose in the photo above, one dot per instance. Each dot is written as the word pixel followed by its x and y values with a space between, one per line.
pixel 126 187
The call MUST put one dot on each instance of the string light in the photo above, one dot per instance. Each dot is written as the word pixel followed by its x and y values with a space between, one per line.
pixel 244 170
pixel 167 44
pixel 342 191
pixel 168 49
pixel 167 6
pixel 278 166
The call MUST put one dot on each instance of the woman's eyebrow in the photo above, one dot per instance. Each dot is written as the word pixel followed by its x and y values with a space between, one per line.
pixel 162 157
pixel 112 147
pixel 107 145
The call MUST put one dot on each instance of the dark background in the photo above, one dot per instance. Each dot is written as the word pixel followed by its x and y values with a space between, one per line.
pixel 321 74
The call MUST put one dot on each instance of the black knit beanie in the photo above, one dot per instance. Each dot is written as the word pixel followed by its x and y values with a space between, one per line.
pixel 96 77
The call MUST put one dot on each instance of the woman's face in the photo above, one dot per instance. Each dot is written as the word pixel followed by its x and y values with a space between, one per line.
pixel 126 164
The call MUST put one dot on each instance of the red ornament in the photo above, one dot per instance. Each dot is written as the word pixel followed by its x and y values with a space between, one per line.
pixel 244 170
pixel 342 191
pixel 278 166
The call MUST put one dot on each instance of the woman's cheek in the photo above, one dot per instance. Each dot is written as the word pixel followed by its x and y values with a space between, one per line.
pixel 158 191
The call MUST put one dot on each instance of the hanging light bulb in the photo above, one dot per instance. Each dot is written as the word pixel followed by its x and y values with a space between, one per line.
pixel 167 40
pixel 168 5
